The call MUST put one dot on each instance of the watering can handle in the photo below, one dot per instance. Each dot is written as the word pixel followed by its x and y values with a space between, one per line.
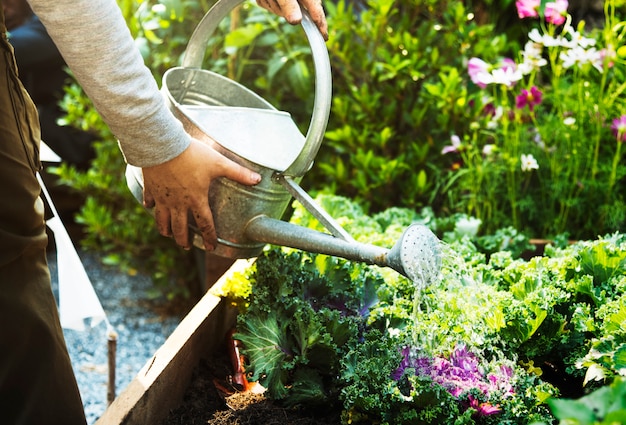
pixel 194 56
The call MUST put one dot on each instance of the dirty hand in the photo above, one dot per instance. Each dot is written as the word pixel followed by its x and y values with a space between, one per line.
pixel 290 10
pixel 181 186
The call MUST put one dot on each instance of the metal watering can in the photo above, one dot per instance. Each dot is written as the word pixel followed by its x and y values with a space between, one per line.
pixel 252 132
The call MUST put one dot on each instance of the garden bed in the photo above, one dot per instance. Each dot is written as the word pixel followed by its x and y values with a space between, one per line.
pixel 188 380
pixel 211 399
pixel 160 385
pixel 320 331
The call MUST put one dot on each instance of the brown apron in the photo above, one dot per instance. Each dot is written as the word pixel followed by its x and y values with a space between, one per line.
pixel 37 384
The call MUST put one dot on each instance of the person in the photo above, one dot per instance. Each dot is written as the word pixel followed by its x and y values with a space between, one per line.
pixel 37 384
pixel 42 72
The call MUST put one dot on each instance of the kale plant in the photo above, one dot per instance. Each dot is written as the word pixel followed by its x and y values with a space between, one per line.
pixel 305 313
pixel 489 343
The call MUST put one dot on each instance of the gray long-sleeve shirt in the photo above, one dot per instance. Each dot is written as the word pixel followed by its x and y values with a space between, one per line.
pixel 96 44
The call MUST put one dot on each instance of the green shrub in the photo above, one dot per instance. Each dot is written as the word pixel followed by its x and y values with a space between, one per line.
pixel 398 91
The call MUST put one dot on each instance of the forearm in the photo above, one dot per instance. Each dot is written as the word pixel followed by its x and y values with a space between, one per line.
pixel 96 44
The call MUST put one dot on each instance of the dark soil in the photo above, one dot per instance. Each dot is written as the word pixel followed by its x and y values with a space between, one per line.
pixel 212 399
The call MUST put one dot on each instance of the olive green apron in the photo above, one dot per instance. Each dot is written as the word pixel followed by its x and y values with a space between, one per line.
pixel 37 384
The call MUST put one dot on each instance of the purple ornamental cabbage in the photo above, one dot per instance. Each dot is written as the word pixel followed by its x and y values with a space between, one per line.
pixel 459 374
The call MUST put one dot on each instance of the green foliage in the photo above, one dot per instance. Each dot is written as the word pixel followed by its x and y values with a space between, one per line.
pixel 602 262
pixel 564 312
pixel 607 356
pixel 320 330
pixel 373 397
pixel 267 348
pixel 391 119
pixel 604 406
pixel 396 92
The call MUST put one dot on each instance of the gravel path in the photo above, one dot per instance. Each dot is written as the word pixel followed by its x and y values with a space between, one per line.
pixel 140 330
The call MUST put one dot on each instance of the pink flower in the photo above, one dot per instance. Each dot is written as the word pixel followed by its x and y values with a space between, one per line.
pixel 528 8
pixel 454 147
pixel 528 98
pixel 483 409
pixel 508 64
pixel 482 74
pixel 556 12
pixel 477 68
pixel 619 128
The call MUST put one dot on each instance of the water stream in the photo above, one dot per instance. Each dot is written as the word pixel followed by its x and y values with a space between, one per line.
pixel 427 267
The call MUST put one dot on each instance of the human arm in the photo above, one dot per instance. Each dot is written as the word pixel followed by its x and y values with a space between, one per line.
pixel 290 10
pixel 97 46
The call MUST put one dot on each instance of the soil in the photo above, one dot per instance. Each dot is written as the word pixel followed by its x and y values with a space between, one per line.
pixel 212 398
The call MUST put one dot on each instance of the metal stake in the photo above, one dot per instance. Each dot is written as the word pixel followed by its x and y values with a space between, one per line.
pixel 112 349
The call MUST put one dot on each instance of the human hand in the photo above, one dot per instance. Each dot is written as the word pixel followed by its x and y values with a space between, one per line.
pixel 290 10
pixel 181 186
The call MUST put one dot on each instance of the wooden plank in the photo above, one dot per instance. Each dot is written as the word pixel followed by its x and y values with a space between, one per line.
pixel 160 384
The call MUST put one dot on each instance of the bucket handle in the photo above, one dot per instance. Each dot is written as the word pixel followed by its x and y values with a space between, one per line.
pixel 196 49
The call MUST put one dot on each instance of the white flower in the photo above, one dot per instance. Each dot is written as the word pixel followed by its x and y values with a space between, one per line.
pixel 529 163
pixel 532 50
pixel 506 76
pixel 532 59
pixel 578 56
pixel 571 57
pixel 489 149
pixel 393 332
pixel 454 147
pixel 467 226
pixel 536 36
pixel 543 39
pixel 569 121
pixel 597 59
pixel 577 38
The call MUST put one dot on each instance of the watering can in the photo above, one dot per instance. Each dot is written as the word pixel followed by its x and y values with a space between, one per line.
pixel 253 133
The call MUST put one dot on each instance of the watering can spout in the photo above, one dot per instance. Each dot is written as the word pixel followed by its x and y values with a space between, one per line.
pixel 417 246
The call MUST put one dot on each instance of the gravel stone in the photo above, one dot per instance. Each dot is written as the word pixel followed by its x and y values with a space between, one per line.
pixel 141 331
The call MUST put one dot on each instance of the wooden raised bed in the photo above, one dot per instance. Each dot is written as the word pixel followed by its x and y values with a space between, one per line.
pixel 161 383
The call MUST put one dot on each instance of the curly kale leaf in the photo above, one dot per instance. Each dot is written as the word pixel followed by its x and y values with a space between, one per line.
pixel 309 333
pixel 602 261
pixel 366 373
